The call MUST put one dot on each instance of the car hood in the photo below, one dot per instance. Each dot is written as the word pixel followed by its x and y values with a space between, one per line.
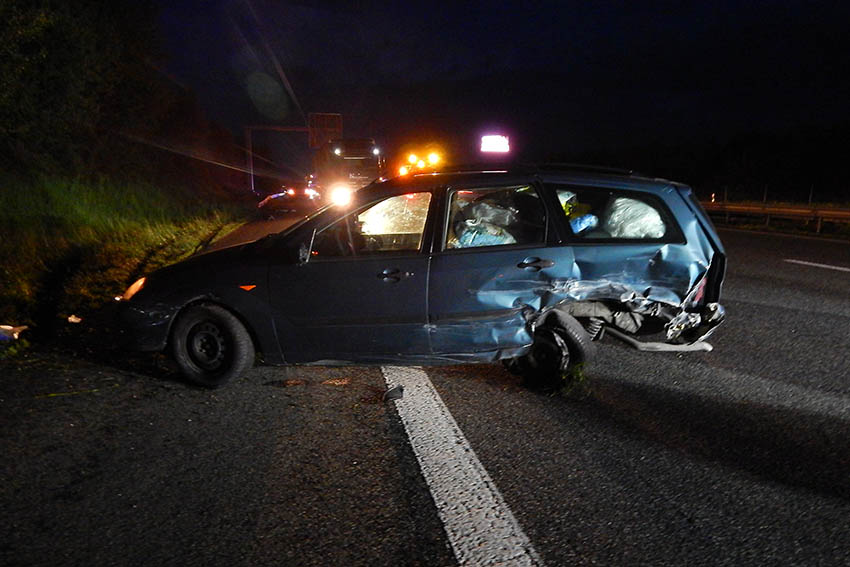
pixel 204 273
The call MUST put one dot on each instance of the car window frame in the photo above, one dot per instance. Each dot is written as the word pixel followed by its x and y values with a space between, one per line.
pixel 674 235
pixel 441 232
pixel 427 232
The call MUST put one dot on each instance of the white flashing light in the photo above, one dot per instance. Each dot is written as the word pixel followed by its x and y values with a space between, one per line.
pixel 338 151
pixel 495 144
pixel 376 151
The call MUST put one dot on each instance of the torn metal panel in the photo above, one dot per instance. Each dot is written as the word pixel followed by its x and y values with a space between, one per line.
pixel 689 326
pixel 622 285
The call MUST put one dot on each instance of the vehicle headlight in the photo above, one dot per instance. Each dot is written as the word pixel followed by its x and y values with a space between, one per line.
pixel 133 289
pixel 341 195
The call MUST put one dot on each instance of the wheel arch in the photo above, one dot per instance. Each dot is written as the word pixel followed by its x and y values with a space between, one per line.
pixel 262 345
pixel 575 334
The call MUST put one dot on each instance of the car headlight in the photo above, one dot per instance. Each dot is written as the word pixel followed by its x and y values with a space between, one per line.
pixel 133 289
pixel 341 194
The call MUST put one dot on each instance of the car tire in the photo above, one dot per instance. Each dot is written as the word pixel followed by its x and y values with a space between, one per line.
pixel 560 344
pixel 210 345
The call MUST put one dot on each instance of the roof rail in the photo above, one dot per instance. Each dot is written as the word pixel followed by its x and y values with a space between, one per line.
pixel 584 167
pixel 480 166
pixel 525 167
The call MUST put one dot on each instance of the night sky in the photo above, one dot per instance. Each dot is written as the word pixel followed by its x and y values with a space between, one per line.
pixel 563 78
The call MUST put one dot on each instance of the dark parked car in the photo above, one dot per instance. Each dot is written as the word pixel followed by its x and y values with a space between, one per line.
pixel 527 265
pixel 291 197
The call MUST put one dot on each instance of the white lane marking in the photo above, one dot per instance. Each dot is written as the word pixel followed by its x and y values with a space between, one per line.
pixel 481 528
pixel 816 265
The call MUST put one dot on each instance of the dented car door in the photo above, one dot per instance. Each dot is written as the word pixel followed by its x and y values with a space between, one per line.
pixel 492 260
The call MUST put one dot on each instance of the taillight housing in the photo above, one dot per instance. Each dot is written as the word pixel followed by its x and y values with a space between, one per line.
pixel 698 294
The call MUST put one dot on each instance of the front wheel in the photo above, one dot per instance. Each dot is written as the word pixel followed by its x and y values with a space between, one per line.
pixel 210 345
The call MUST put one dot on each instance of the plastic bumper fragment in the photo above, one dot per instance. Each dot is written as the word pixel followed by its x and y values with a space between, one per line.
pixel 691 327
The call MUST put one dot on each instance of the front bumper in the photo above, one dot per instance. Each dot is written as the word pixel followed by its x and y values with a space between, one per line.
pixel 143 328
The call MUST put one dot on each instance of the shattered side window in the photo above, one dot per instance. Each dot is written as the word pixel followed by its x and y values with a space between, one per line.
pixel 495 217
pixel 396 224
pixel 605 214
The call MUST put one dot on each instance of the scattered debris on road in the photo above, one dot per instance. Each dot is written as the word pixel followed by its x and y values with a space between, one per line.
pixel 394 393
pixel 10 333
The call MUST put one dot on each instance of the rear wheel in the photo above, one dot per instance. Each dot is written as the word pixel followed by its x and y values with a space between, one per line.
pixel 560 344
pixel 210 345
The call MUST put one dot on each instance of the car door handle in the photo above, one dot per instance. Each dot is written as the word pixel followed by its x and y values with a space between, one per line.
pixel 392 275
pixel 535 264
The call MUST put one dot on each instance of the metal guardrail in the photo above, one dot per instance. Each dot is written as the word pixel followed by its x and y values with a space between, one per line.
pixel 817 214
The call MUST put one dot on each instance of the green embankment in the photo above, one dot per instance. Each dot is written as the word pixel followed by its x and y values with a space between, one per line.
pixel 68 247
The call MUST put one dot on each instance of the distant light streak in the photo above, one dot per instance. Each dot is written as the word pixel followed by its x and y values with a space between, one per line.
pixel 198 156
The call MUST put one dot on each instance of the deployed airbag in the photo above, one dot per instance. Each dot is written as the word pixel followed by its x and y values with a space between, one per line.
pixel 630 218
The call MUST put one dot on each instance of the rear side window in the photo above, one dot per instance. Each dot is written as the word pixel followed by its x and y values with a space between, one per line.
pixel 497 216
pixel 608 214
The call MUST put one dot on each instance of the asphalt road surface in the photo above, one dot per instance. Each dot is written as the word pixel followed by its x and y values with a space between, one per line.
pixel 740 456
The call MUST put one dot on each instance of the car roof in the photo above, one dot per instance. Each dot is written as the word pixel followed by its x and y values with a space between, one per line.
pixel 568 173
pixel 502 174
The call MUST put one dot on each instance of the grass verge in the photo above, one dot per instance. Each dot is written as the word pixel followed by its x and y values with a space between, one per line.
pixel 67 247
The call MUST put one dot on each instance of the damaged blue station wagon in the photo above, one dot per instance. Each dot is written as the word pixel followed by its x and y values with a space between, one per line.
pixel 527 265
